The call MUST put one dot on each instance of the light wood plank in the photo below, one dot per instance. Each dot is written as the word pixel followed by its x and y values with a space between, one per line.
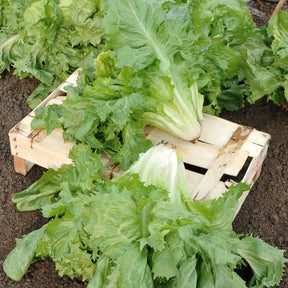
pixel 217 168
pixel 217 131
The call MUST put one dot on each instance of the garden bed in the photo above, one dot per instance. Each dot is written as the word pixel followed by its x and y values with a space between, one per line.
pixel 264 213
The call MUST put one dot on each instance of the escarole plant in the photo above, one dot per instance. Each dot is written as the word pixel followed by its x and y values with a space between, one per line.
pixel 144 37
pixel 48 40
pixel 140 229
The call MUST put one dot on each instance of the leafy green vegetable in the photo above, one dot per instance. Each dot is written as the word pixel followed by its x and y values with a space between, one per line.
pixel 155 61
pixel 162 168
pixel 265 257
pixel 55 37
pixel 278 30
pixel 206 42
pixel 182 47
pixel 46 189
pixel 128 233
pixel 130 25
pixel 265 62
pixel 48 39
pixel 24 254
pixel 156 84
pixel 106 114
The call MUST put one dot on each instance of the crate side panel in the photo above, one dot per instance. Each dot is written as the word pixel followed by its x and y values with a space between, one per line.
pixel 57 100
pixel 55 141
pixel 38 153
pixel 51 96
pixel 254 169
pixel 24 126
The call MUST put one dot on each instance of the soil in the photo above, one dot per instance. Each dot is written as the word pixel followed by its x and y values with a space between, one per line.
pixel 264 214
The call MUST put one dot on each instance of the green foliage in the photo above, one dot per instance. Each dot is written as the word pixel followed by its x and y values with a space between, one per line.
pixel 48 39
pixel 105 113
pixel 279 32
pixel 129 232
pixel 145 62
pixel 209 42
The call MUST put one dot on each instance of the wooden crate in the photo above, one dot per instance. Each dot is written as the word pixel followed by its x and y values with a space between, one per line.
pixel 226 152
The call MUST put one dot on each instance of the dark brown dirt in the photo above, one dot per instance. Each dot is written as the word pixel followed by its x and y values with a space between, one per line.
pixel 263 214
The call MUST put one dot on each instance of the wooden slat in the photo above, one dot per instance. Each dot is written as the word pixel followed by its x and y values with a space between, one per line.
pixel 216 131
pixel 193 178
pixel 191 151
pixel 236 164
